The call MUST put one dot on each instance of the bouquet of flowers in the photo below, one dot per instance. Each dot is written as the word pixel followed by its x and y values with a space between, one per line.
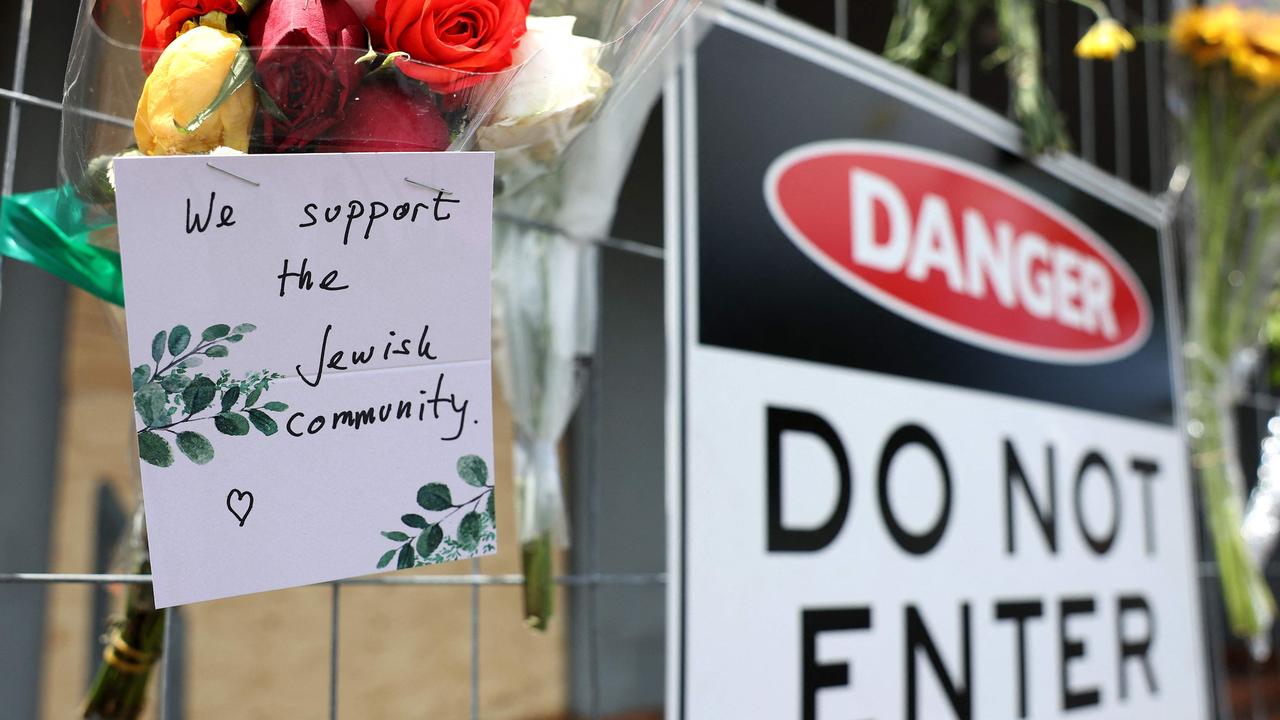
pixel 559 181
pixel 927 35
pixel 165 77
pixel 1231 120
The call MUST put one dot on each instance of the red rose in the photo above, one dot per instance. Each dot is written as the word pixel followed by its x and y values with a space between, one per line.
pixel 460 36
pixel 162 19
pixel 305 54
pixel 385 117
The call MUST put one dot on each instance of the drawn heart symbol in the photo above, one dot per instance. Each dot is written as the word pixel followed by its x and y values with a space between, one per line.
pixel 240 499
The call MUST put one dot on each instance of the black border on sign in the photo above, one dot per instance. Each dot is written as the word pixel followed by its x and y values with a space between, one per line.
pixel 680 194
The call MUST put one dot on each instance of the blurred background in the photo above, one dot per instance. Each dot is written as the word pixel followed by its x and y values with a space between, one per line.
pixel 67 472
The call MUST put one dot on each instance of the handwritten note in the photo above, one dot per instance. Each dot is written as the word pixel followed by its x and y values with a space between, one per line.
pixel 309 338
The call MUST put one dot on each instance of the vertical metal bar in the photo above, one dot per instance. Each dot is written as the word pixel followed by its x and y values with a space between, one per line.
pixel 166 662
pixel 1053 48
pixel 1088 140
pixel 1156 119
pixel 333 652
pixel 1120 101
pixel 15 110
pixel 842 19
pixel 964 71
pixel 591 521
pixel 475 641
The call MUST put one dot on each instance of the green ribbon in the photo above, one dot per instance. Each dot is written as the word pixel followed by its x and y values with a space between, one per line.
pixel 34 230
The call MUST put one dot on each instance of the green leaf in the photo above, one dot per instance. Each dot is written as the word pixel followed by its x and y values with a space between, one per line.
pixel 395 535
pixel 230 423
pixel 247 6
pixel 435 496
pixel 268 103
pixel 150 401
pixel 157 345
pixel 406 559
pixel 473 470
pixel 386 558
pixel 174 382
pixel 240 73
pixel 192 361
pixel 264 422
pixel 469 530
pixel 234 338
pixel 243 328
pixel 229 397
pixel 154 450
pixel 253 397
pixel 489 510
pixel 429 540
pixel 414 520
pixel 196 447
pixel 140 376
pixel 217 351
pixel 213 332
pixel 179 339
pixel 274 406
pixel 198 395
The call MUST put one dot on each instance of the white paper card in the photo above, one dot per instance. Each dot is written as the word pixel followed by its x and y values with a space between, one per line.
pixel 310 343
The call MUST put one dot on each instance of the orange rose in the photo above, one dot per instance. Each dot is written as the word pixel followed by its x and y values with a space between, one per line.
pixel 456 37
pixel 162 19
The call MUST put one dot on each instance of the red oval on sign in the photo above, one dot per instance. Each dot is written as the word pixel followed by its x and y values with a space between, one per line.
pixel 959 249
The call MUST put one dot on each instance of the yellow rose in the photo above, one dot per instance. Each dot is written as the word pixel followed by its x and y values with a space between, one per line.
pixel 1208 34
pixel 1105 40
pixel 186 79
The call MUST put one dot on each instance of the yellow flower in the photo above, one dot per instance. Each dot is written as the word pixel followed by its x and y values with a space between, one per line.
pixel 1208 34
pixel 1257 57
pixel 185 80
pixel 1105 40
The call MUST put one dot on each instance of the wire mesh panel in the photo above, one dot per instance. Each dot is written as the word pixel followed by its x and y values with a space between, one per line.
pixel 1117 119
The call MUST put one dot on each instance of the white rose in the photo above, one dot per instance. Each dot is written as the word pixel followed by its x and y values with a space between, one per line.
pixel 555 93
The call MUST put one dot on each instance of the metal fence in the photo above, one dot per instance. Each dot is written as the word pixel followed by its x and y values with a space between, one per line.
pixel 1117 118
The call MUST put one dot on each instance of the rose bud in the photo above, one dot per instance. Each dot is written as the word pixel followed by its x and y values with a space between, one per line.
pixel 306 55
pixel 461 37
pixel 384 117
pixel 162 20
pixel 185 81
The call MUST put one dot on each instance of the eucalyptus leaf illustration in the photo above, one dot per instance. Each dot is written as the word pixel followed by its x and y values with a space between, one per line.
pixel 195 446
pixel 170 396
pixel 474 532
pixel 140 376
pixel 469 530
pixel 435 496
pixel 157 346
pixel 386 558
pixel 231 423
pixel 472 469
pixel 179 339
pixel 264 422
pixel 154 449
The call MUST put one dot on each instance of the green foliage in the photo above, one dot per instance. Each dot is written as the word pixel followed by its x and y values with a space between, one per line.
pixel 230 423
pixel 475 532
pixel 195 446
pixel 473 470
pixel 179 339
pixel 154 449
pixel 435 496
pixel 169 396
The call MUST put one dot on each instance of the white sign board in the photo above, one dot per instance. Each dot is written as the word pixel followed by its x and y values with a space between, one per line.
pixel 925 458
pixel 310 343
